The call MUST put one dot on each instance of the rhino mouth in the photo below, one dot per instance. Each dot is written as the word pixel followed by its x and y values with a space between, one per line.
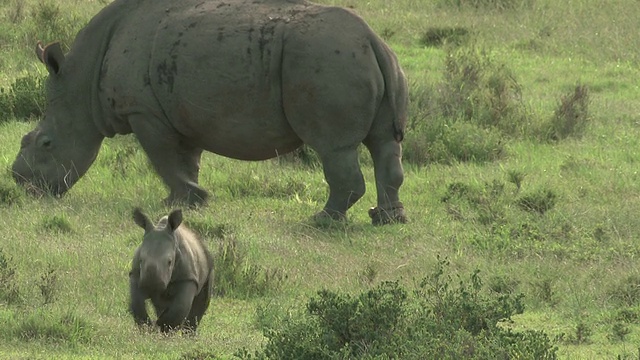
pixel 37 186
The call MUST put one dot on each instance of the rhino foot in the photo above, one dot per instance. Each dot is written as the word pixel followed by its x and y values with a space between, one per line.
pixel 328 216
pixel 196 196
pixel 394 215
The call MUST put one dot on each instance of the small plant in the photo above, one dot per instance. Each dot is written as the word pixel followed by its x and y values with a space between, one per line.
pixel 626 292
pixel 516 177
pixel 235 277
pixel 302 156
pixel 581 335
pixel 619 332
pixel 57 224
pixel 437 36
pixel 488 4
pixel 478 88
pixel 539 202
pixel 543 290
pixel 369 274
pixel 572 115
pixel 25 98
pixel 48 285
pixel 9 290
pixel 199 355
pixel 66 328
pixel 9 193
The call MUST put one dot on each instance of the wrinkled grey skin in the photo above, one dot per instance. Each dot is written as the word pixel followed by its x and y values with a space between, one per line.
pixel 246 79
pixel 174 269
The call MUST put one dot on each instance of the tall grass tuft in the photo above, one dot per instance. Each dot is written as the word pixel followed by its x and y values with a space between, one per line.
pixel 9 289
pixel 236 277
pixel 24 99
pixel 572 116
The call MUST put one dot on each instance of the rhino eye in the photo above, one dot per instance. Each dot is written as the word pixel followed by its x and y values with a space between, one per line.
pixel 44 142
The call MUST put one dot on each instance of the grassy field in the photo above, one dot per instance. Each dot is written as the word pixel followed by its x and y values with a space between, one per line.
pixel 64 262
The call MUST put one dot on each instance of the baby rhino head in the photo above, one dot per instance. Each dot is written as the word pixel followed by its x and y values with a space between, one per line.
pixel 157 253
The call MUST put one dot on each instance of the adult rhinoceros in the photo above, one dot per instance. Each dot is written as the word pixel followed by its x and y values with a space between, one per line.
pixel 246 79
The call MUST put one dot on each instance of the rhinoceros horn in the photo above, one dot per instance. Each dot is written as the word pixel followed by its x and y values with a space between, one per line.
pixel 51 55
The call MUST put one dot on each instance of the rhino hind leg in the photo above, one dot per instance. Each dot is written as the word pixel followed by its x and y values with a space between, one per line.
pixel 389 176
pixel 346 183
pixel 175 161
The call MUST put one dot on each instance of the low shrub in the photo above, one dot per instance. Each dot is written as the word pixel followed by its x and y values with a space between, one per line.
pixel 446 316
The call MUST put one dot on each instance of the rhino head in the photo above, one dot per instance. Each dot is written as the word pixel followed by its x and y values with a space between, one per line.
pixel 157 253
pixel 65 143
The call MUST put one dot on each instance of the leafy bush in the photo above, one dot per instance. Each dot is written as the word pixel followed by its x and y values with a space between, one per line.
pixel 445 317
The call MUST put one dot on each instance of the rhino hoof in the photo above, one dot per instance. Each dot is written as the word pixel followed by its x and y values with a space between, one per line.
pixel 328 216
pixel 394 215
pixel 194 198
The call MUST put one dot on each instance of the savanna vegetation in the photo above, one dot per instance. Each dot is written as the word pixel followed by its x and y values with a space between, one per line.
pixel 521 163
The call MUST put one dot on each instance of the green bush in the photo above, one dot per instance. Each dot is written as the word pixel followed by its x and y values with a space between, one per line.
pixel 444 317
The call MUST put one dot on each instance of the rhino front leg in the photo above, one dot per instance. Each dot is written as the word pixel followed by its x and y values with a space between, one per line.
pixel 178 308
pixel 346 183
pixel 389 177
pixel 137 306
pixel 173 158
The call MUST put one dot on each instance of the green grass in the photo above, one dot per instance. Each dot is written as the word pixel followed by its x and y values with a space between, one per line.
pixel 576 263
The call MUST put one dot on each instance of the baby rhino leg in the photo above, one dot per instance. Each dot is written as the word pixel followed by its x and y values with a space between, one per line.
pixel 199 307
pixel 174 315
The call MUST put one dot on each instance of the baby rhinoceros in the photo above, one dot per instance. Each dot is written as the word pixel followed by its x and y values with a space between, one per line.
pixel 174 269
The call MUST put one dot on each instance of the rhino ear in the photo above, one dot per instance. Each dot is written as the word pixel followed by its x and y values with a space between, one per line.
pixel 141 219
pixel 175 219
pixel 51 55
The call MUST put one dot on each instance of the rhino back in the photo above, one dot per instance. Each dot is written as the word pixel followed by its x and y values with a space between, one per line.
pixel 213 71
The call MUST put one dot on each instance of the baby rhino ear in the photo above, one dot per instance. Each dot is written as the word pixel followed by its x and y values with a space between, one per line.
pixel 175 219
pixel 141 219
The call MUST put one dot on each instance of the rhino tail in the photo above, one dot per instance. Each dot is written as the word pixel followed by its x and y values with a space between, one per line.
pixel 395 85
